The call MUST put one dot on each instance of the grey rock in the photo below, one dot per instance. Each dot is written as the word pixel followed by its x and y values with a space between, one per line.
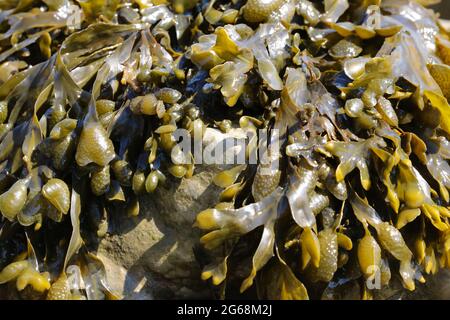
pixel 151 256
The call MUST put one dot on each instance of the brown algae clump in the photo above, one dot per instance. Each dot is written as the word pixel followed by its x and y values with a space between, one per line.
pixel 352 93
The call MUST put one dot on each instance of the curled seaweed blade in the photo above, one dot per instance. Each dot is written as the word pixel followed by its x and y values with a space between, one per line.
pixel 278 282
pixel 216 271
pixel 440 170
pixel 66 89
pixel 228 177
pixel 83 44
pixel 28 90
pixel 31 255
pixel 264 252
pixel 440 103
pixel 334 9
pixel 407 216
pixel 310 247
pixel 298 195
pixel 229 223
pixel 94 277
pixel 294 95
pixel 441 74
pixel 75 240
pixel 113 65
pixel 33 138
pixel 363 211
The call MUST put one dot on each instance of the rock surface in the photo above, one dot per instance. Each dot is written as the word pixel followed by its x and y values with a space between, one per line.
pixel 151 256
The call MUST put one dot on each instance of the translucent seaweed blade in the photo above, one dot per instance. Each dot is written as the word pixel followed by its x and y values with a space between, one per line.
pixel 28 90
pixel 363 212
pixel 75 240
pixel 113 64
pixel 264 252
pixel 298 195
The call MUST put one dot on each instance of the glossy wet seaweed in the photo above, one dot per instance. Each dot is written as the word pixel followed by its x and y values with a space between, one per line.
pixel 92 91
